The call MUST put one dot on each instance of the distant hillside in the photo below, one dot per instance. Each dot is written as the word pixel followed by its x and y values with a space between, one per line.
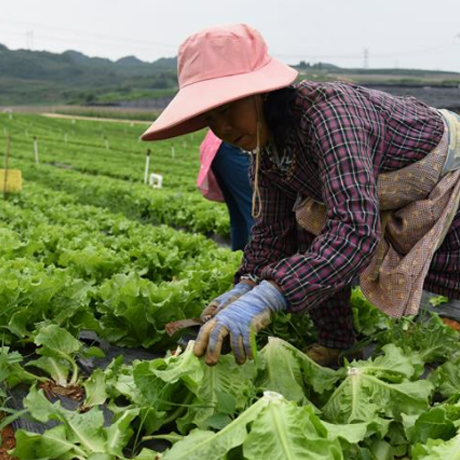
pixel 28 77
pixel 40 77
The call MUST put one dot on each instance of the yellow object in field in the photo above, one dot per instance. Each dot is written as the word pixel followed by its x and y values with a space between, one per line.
pixel 13 180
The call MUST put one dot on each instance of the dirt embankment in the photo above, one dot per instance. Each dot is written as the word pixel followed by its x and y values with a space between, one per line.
pixel 78 117
pixel 439 97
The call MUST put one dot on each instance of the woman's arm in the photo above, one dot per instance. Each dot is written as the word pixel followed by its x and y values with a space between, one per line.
pixel 352 230
pixel 274 234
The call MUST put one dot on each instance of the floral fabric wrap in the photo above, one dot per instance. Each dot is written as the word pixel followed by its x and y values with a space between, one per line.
pixel 417 206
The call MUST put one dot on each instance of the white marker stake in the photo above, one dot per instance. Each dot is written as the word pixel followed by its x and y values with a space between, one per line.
pixel 107 144
pixel 36 150
pixel 147 165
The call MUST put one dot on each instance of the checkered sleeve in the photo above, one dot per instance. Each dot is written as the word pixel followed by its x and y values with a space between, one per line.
pixel 273 235
pixel 352 230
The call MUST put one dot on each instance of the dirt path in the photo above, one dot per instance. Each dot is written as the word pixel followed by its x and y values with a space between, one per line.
pixel 112 120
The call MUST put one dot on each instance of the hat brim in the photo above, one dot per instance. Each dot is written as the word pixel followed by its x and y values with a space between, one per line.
pixel 181 116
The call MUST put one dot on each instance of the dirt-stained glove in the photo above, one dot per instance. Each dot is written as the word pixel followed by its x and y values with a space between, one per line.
pixel 219 303
pixel 252 310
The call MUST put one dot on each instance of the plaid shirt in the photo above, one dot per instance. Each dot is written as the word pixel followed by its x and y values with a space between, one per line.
pixel 342 137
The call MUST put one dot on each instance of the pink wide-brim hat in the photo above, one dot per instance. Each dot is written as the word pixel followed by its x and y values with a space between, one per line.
pixel 217 66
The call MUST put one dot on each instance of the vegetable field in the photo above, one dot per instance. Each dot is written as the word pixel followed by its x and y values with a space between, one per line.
pixel 94 263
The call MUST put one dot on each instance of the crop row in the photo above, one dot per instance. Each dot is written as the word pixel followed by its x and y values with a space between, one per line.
pixel 84 267
pixel 113 151
pixel 136 201
pixel 281 405
pixel 79 252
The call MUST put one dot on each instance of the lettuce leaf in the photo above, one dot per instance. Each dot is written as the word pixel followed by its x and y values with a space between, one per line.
pixel 271 428
pixel 368 390
pixel 80 435
pixel 286 370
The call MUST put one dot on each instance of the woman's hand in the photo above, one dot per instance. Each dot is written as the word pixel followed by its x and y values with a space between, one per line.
pixel 252 310
pixel 225 299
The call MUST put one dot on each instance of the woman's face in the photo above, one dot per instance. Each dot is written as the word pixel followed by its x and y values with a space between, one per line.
pixel 236 122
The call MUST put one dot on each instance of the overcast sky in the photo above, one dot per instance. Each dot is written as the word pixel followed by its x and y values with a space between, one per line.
pixel 395 33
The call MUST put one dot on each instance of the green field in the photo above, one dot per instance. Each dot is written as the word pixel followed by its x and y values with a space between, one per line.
pixel 73 152
pixel 88 247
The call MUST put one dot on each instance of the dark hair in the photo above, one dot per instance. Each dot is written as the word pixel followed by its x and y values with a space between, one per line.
pixel 278 115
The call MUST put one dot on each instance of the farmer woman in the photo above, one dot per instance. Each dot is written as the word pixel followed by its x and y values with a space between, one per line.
pixel 347 182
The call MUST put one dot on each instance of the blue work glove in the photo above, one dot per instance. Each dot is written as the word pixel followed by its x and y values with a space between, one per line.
pixel 219 303
pixel 252 310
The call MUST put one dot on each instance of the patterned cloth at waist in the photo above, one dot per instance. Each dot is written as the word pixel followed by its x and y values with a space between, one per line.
pixel 417 206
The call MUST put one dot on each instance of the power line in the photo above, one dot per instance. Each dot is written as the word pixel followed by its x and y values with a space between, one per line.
pixel 107 37
pixel 62 40
pixel 112 40
pixel 374 56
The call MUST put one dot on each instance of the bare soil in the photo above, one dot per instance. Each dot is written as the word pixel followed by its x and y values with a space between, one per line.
pixel 8 443
pixel 77 117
